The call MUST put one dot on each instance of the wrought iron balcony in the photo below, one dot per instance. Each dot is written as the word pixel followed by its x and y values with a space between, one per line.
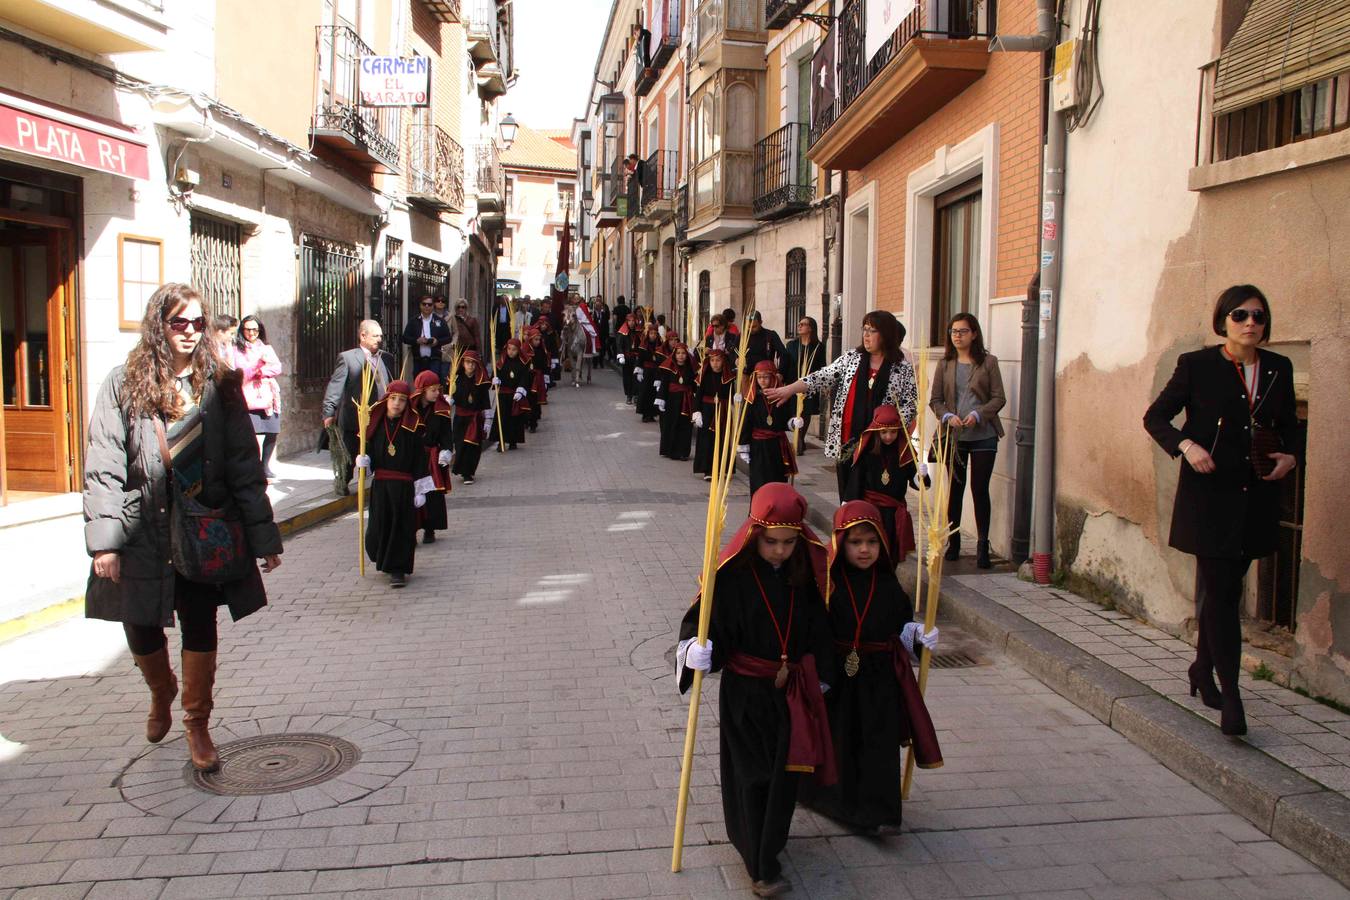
pixel 644 76
pixel 445 11
pixel 780 13
pixel 660 173
pixel 483 33
pixel 368 136
pixel 682 215
pixel 491 180
pixel 935 53
pixel 435 168
pixel 667 26
pixel 784 177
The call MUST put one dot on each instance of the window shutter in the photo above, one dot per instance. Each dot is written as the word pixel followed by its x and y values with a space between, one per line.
pixel 1281 46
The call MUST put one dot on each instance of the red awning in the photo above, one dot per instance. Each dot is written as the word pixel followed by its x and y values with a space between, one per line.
pixel 33 128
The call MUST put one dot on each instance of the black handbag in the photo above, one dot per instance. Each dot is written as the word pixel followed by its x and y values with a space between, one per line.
pixel 207 545
pixel 1264 442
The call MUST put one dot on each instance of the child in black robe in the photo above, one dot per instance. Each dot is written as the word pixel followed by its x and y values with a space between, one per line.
pixel 715 386
pixel 676 402
pixel 764 443
pixel 646 373
pixel 874 701
pixel 535 354
pixel 512 382
pixel 768 638
pixel 472 401
pixel 435 422
pixel 396 453
pixel 626 342
pixel 883 468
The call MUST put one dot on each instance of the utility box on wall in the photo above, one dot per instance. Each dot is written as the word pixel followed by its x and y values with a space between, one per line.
pixel 1064 84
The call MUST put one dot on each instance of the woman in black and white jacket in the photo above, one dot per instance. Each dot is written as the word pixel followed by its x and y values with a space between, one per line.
pixel 875 374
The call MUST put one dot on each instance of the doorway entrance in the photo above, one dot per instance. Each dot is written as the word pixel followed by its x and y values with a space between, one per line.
pixel 38 362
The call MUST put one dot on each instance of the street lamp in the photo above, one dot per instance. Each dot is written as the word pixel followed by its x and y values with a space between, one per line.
pixel 508 127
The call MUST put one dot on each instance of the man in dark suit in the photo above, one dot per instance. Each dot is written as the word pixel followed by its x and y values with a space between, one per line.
pixel 344 387
pixel 426 335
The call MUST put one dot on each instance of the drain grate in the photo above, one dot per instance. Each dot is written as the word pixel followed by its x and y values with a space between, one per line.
pixel 275 764
pixel 953 661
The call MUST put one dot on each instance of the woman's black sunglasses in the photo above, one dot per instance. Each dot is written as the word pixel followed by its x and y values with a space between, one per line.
pixel 1240 315
pixel 180 324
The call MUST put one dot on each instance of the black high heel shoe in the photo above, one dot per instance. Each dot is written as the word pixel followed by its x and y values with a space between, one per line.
pixel 1233 720
pixel 1203 683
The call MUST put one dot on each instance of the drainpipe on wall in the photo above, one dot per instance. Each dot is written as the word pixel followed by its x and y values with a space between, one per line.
pixel 1052 197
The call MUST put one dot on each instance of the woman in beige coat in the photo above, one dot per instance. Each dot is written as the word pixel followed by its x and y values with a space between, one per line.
pixel 967 396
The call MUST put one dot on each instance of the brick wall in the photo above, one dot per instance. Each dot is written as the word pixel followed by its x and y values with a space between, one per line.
pixel 1009 94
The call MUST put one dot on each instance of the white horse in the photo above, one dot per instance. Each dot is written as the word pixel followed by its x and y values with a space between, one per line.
pixel 576 346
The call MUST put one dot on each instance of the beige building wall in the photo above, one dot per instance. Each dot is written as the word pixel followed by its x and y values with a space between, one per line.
pixel 535 218
pixel 287 44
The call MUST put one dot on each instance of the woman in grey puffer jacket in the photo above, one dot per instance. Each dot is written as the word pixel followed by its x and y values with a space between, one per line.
pixel 175 376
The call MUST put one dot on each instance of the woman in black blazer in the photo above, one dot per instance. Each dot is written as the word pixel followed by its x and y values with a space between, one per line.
pixel 1240 426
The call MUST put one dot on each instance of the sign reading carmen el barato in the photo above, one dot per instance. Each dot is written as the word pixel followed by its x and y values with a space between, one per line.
pixel 394 81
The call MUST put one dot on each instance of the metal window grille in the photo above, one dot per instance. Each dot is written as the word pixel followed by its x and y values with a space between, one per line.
pixel 1277 575
pixel 332 302
pixel 704 301
pixel 426 276
pixel 391 309
pixel 216 271
pixel 796 289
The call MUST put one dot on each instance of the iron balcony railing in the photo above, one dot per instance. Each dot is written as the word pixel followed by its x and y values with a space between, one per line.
pixel 484 26
pixel 435 167
pixel 659 175
pixel 784 179
pixel 491 179
pixel 372 129
pixel 950 19
pixel 667 26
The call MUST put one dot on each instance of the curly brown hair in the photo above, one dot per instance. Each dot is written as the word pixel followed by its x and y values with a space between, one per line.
pixel 149 387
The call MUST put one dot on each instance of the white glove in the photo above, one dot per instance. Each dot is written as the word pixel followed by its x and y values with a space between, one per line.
pixel 496 382
pixel 621 359
pixel 914 631
pixel 697 419
pixel 419 500
pixel 796 423
pixel 637 373
pixel 656 385
pixel 520 393
pixel 444 457
pixel 488 414
pixel 744 452
pixel 699 657
pixel 553 363
pixel 923 470
pixel 547 381
pixel 661 405
pixel 363 462
pixel 738 398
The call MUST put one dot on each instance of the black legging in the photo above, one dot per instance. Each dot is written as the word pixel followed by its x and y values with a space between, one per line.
pixel 1218 594
pixel 973 463
pixel 195 605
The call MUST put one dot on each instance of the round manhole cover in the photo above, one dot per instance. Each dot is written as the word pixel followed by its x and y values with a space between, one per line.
pixel 275 763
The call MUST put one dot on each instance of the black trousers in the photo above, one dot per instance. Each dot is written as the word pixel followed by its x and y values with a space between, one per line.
pixel 1218 598
pixel 352 440
pixel 195 605
pixel 972 462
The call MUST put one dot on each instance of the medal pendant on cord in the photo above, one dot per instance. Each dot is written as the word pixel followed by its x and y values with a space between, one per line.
pixel 885 476
pixel 851 663
pixel 780 679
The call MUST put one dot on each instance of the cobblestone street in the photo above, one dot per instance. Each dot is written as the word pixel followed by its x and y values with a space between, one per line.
pixel 519 731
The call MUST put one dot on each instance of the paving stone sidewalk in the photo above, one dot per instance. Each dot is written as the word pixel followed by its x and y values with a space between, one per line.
pixel 521 734
pixel 1303 734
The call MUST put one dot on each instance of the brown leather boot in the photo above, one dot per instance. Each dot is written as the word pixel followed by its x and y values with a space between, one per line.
pixel 158 675
pixel 199 677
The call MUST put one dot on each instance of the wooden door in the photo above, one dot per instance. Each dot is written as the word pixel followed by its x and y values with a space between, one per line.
pixel 747 293
pixel 36 377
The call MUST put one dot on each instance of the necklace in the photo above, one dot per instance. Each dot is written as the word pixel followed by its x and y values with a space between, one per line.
pixel 393 450
pixel 780 679
pixel 851 662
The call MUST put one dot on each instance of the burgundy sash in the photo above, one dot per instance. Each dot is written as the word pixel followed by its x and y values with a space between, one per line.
pixel 474 433
pixel 538 386
pixel 810 747
pixel 784 446
pixel 686 398
pixel 903 539
pixel 518 407
pixel 438 474
pixel 392 475
pixel 916 726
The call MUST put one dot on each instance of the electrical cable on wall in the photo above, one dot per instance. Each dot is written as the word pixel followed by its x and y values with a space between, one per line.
pixel 1087 74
